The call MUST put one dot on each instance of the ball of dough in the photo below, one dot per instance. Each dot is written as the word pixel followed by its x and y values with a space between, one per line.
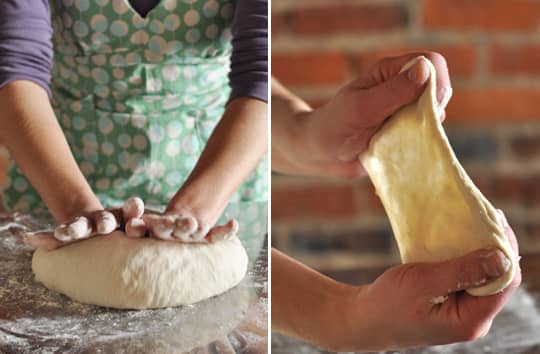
pixel 121 272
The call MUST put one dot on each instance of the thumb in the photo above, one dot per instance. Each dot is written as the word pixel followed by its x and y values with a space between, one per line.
pixel 472 270
pixel 400 90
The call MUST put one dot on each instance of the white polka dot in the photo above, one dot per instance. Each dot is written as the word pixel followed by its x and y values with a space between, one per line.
pixel 173 148
pixel 191 18
pixel 135 80
pixel 80 28
pixel 100 75
pixel 189 122
pixel 118 73
pixel 189 145
pixel 210 8
pixel 111 170
pixel 82 5
pixel 120 107
pixel 102 2
pixel 103 183
pixel 138 22
pixel 67 20
pixel 119 28
pixel 211 31
pixel 102 91
pixel 124 140
pixel 117 60
pixel 170 72
pixel 79 123
pixel 64 72
pixel 171 102
pixel 138 121
pixel 189 100
pixel 120 6
pixel 87 168
pixel 99 59
pixel 193 35
pixel 139 37
pixel 156 133
pixel 157 45
pixel 172 22
pixel 66 120
pixel 20 184
pixel 190 72
pixel 120 86
pixel 174 46
pixel 99 23
pixel 157 27
pixel 105 125
pixel 118 183
pixel 152 57
pixel 139 142
pixel 156 169
pixel 133 58
pixel 107 148
pixel 169 4
pixel 68 2
pixel 153 85
pixel 174 129
pixel 227 11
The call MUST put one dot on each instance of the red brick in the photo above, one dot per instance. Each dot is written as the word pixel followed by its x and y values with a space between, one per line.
pixel 508 188
pixel 313 201
pixel 515 59
pixel 278 22
pixel 461 58
pixel 494 104
pixel 531 196
pixel 348 18
pixel 491 15
pixel 310 68
pixel 526 146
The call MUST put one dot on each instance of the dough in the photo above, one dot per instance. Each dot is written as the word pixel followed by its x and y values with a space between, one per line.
pixel 435 210
pixel 140 273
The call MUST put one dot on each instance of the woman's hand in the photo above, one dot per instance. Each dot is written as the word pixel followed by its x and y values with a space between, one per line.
pixel 328 140
pixel 422 304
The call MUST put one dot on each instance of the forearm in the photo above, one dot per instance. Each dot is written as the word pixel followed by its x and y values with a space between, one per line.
pixel 235 147
pixel 31 133
pixel 288 115
pixel 307 304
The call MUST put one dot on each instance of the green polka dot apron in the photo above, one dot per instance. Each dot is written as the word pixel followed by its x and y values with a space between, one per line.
pixel 138 98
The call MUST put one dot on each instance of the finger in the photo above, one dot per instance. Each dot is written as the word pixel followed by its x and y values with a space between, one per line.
pixel 105 222
pixel 398 91
pixel 78 229
pixel 391 66
pixel 160 226
pixel 136 228
pixel 133 208
pixel 41 239
pixel 185 226
pixel 223 232
pixel 472 270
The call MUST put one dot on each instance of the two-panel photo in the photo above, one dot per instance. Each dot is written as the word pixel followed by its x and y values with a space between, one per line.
pixel 270 176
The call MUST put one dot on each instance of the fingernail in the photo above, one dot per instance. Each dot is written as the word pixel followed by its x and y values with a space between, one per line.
pixel 496 264
pixel 418 73
pixel 442 96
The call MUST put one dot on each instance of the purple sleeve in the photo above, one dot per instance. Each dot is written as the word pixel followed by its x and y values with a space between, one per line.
pixel 25 42
pixel 249 61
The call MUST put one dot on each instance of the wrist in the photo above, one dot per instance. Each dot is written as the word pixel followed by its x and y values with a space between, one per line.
pixel 203 200
pixel 76 205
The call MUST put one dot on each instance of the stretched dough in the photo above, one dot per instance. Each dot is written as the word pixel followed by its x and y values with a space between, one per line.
pixel 435 210
pixel 121 272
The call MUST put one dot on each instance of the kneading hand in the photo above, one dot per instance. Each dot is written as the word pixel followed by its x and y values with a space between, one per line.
pixel 329 139
pixel 424 304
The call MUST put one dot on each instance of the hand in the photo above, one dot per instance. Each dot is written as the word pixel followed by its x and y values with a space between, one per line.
pixel 179 225
pixel 422 304
pixel 329 139
pixel 94 223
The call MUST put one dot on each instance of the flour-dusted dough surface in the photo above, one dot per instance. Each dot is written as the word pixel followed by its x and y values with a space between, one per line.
pixel 435 210
pixel 116 271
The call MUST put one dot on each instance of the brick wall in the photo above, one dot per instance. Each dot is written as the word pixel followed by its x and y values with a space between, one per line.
pixel 493 120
